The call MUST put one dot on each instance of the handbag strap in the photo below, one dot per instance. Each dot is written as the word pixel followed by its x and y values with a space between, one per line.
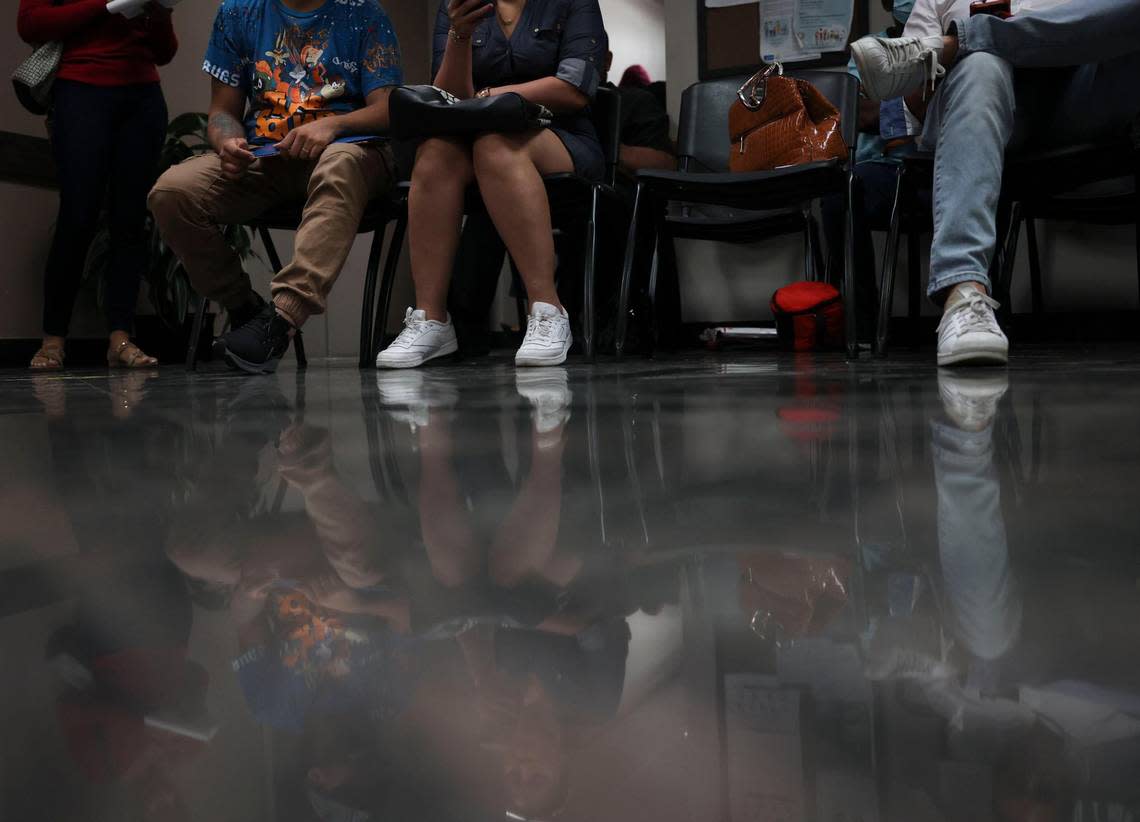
pixel 753 92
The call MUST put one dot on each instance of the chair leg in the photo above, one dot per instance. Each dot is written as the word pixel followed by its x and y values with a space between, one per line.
pixel 270 249
pixel 629 264
pixel 299 349
pixel 810 272
pixel 202 305
pixel 652 335
pixel 887 281
pixel 665 304
pixel 388 282
pixel 589 270
pixel 1007 259
pixel 852 307
pixel 1136 206
pixel 368 304
pixel 1034 265
pixel 816 248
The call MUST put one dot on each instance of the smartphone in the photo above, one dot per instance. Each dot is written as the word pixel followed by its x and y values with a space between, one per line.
pixel 997 8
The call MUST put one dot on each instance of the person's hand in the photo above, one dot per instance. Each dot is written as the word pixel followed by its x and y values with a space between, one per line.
pixel 308 142
pixel 465 15
pixel 248 600
pixel 236 157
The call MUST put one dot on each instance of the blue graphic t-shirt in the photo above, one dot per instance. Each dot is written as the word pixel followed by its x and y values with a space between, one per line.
pixel 296 68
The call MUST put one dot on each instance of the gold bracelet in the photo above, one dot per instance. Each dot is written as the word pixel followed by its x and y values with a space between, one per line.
pixel 483 93
pixel 456 37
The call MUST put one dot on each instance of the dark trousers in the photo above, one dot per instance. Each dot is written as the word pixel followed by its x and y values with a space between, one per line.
pixel 107 141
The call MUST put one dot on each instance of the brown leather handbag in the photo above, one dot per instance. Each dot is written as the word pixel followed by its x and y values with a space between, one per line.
pixel 779 121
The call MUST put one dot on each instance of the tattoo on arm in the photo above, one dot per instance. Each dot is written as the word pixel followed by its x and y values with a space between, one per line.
pixel 222 126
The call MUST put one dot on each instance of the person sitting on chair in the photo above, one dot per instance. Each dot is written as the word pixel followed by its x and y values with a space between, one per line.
pixel 644 143
pixel 551 52
pixel 1055 76
pixel 312 73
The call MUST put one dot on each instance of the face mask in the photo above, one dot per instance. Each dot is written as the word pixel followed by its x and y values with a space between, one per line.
pixel 902 10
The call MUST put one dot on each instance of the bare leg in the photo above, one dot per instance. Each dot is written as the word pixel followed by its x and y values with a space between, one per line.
pixel 445 524
pixel 440 178
pixel 525 543
pixel 510 169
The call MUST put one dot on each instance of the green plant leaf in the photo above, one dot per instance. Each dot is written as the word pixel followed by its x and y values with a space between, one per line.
pixel 187 125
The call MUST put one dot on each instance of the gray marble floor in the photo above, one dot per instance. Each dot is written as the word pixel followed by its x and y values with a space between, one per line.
pixel 740 588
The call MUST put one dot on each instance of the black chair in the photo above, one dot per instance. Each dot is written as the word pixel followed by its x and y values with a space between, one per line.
pixel 577 205
pixel 1034 186
pixel 1047 187
pixel 375 221
pixel 669 203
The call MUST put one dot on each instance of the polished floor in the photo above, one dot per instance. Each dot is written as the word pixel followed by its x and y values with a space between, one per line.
pixel 743 588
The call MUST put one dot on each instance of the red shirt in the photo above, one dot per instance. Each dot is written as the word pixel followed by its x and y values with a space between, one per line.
pixel 98 47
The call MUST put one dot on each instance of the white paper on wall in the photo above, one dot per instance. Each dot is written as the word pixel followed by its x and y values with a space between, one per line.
pixel 778 41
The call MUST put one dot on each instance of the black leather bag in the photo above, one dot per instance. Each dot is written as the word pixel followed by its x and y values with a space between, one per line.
pixel 418 112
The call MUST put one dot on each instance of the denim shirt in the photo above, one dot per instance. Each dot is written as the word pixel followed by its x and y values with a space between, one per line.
pixel 553 38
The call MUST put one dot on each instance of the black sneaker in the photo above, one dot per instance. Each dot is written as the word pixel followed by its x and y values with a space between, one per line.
pixel 244 313
pixel 237 318
pixel 258 346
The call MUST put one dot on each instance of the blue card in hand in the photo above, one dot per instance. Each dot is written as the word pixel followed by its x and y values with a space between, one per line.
pixel 262 152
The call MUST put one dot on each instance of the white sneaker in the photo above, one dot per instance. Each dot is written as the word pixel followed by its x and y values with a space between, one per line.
pixel 971 401
pixel 421 340
pixel 547 338
pixel 409 396
pixel 891 67
pixel 549 393
pixel 969 333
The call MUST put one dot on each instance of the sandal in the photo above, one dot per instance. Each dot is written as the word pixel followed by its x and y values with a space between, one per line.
pixel 48 358
pixel 129 355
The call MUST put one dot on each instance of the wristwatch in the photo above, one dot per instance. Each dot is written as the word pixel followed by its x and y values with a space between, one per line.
pixel 483 93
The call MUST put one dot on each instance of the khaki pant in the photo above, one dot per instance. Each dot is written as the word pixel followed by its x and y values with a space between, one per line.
pixel 192 201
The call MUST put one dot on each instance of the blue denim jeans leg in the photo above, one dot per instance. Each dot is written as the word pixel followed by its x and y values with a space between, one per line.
pixel 983 605
pixel 1030 81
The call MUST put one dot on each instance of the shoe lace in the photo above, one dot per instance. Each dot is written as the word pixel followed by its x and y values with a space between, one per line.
pixel 413 328
pixel 541 327
pixel 974 313
pixel 934 71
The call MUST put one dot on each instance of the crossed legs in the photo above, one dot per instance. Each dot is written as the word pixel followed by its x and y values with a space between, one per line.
pixel 1059 76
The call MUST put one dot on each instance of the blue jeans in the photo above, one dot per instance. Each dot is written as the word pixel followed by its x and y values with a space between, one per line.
pixel 1065 75
pixel 983 605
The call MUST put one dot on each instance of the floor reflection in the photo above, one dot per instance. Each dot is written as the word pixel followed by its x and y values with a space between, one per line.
pixel 776 590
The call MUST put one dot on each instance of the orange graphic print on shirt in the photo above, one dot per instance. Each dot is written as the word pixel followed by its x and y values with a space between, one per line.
pixel 293 84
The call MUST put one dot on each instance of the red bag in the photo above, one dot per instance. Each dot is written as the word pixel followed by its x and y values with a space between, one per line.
pixel 809 317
